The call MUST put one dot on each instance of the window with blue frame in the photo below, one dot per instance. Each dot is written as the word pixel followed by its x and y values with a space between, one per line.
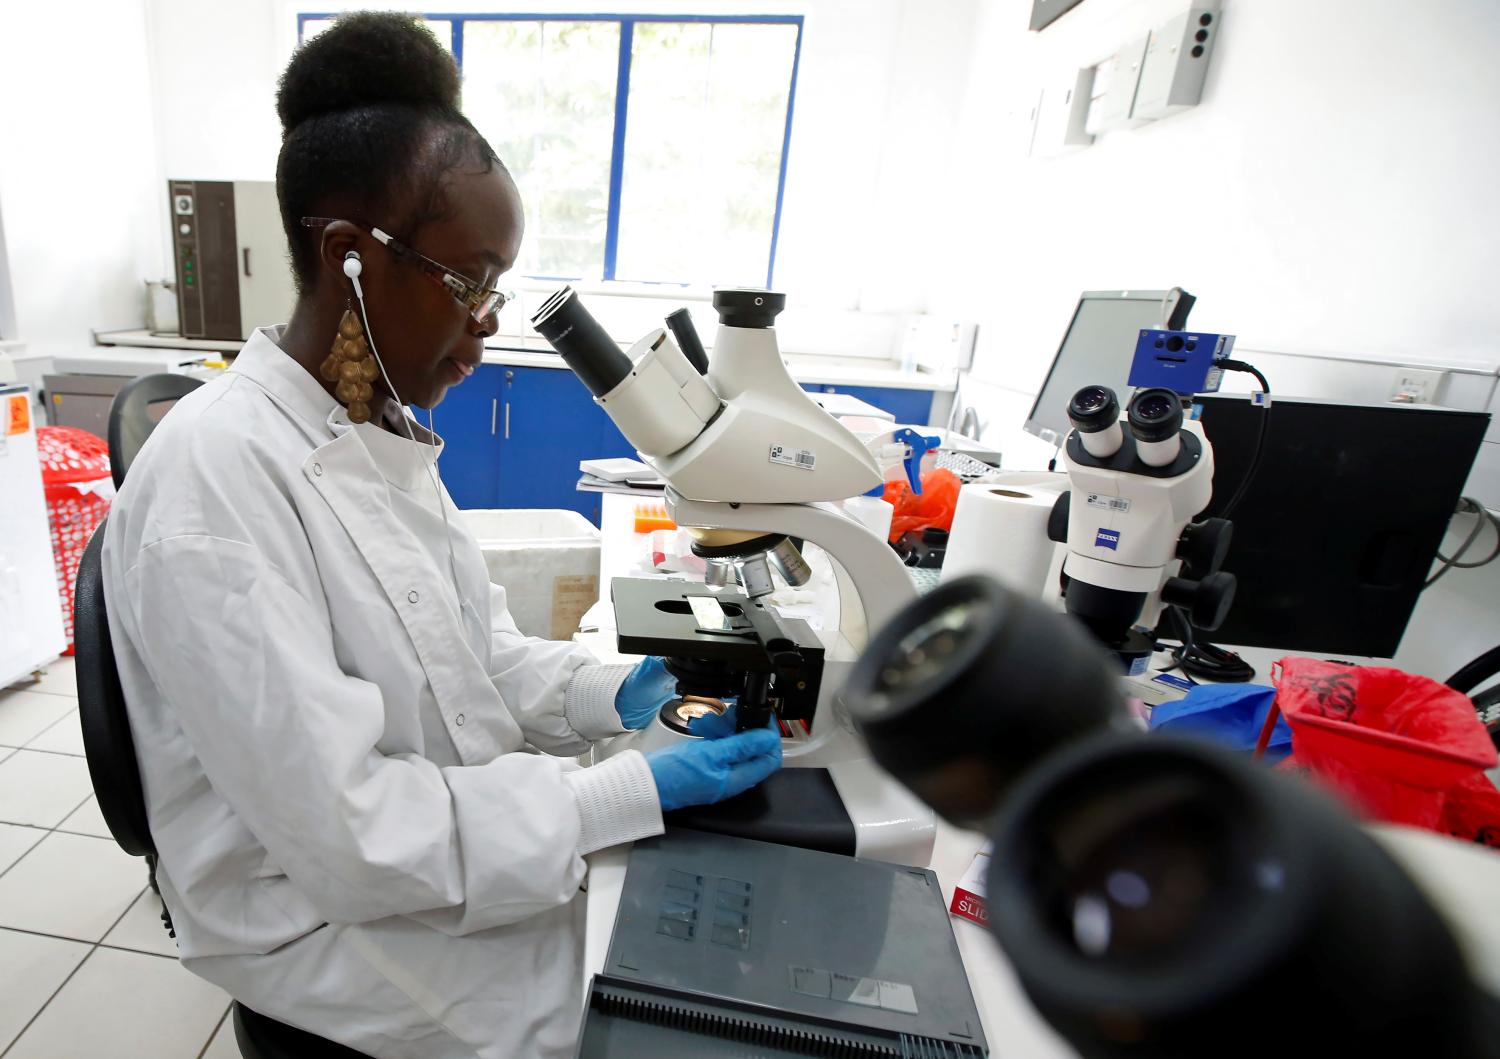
pixel 647 148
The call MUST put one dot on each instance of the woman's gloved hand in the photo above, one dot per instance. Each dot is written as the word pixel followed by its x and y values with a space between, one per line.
pixel 646 690
pixel 704 771
pixel 715 725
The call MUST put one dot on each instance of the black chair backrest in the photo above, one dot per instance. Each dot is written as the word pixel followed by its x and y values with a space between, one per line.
pixel 101 709
pixel 130 418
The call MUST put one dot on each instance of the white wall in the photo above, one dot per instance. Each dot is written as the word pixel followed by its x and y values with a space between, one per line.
pixel 877 98
pixel 216 67
pixel 78 175
pixel 1333 193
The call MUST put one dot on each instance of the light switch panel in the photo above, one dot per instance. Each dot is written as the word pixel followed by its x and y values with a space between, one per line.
pixel 1112 94
pixel 1176 63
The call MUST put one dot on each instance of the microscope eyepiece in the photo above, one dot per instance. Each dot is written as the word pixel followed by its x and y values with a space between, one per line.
pixel 1151 891
pixel 585 347
pixel 1095 414
pixel 1093 409
pixel 950 700
pixel 1155 417
pixel 680 323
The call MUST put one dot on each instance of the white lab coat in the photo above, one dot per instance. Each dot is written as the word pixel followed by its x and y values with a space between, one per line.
pixel 349 773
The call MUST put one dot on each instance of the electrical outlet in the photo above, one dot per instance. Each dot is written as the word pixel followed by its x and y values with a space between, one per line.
pixel 1416 386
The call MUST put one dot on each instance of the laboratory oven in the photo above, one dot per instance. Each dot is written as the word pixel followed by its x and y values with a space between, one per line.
pixel 231 257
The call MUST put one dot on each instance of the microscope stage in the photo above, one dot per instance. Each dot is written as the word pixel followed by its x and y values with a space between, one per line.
pixel 685 619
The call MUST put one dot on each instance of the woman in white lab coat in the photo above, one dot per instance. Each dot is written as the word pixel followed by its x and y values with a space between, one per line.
pixel 357 770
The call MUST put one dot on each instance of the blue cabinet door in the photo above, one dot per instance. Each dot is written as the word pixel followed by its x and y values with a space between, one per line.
pixel 468 420
pixel 548 422
pixel 910 407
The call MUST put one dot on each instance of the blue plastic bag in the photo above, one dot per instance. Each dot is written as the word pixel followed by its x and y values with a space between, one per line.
pixel 1229 714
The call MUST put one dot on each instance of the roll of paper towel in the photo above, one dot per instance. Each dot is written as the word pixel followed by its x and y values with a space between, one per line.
pixel 1000 529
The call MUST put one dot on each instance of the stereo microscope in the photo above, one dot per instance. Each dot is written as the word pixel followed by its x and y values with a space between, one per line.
pixel 1136 486
pixel 753 468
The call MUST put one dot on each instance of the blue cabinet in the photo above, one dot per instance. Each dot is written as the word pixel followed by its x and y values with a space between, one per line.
pixel 549 422
pixel 468 420
pixel 910 407
pixel 513 437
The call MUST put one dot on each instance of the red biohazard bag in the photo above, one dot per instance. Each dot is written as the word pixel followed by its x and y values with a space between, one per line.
pixel 1401 747
pixel 933 507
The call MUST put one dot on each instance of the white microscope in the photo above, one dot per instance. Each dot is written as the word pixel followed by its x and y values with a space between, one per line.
pixel 754 468
pixel 1136 486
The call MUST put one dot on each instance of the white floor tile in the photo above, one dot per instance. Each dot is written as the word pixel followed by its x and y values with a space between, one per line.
pixel 87 820
pixel 126 1005
pixel 140 928
pixel 64 737
pixel 41 789
pixel 224 1046
pixel 31 969
pixel 15 841
pixel 24 715
pixel 72 886
pixel 59 679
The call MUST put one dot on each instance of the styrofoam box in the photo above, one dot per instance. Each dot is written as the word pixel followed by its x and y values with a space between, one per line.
pixel 546 560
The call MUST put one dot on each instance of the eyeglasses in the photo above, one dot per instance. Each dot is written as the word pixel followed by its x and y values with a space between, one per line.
pixel 481 301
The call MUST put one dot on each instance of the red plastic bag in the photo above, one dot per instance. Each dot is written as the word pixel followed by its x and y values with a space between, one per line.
pixel 934 507
pixel 1472 812
pixel 1403 748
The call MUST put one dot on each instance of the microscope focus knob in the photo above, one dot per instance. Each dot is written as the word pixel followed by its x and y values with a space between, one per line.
pixel 1207 601
pixel 1057 521
pixel 1204 545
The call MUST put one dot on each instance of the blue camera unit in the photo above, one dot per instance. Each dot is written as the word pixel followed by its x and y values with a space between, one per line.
pixel 1187 362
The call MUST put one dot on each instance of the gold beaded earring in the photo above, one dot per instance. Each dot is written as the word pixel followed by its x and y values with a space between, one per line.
pixel 351 366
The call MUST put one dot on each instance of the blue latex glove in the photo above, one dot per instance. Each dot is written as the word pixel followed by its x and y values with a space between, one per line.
pixel 704 771
pixel 646 690
pixel 715 725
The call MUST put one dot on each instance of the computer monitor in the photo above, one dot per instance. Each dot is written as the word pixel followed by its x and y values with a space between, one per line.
pixel 1097 349
pixel 1337 531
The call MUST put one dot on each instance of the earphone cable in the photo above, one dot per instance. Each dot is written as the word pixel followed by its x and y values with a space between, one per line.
pixel 406 421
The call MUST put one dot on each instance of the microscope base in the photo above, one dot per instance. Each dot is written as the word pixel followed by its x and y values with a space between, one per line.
pixel 842 791
pixel 794 807
pixel 850 808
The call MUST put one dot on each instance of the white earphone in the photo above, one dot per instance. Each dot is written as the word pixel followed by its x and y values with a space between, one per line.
pixel 352 268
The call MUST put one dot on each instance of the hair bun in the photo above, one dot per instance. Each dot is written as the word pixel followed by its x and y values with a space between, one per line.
pixel 365 59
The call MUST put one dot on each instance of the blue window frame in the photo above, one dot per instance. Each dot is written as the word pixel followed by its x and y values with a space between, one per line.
pixel 617 190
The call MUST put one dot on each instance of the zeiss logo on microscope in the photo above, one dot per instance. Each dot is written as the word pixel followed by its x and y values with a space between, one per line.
pixel 1107 539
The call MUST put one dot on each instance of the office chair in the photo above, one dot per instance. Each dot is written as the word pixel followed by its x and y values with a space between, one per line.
pixel 130 420
pixel 116 777
pixel 1487 701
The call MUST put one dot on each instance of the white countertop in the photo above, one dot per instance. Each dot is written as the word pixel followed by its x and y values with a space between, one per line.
pixel 819 371
pixel 154 341
pixel 532 353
